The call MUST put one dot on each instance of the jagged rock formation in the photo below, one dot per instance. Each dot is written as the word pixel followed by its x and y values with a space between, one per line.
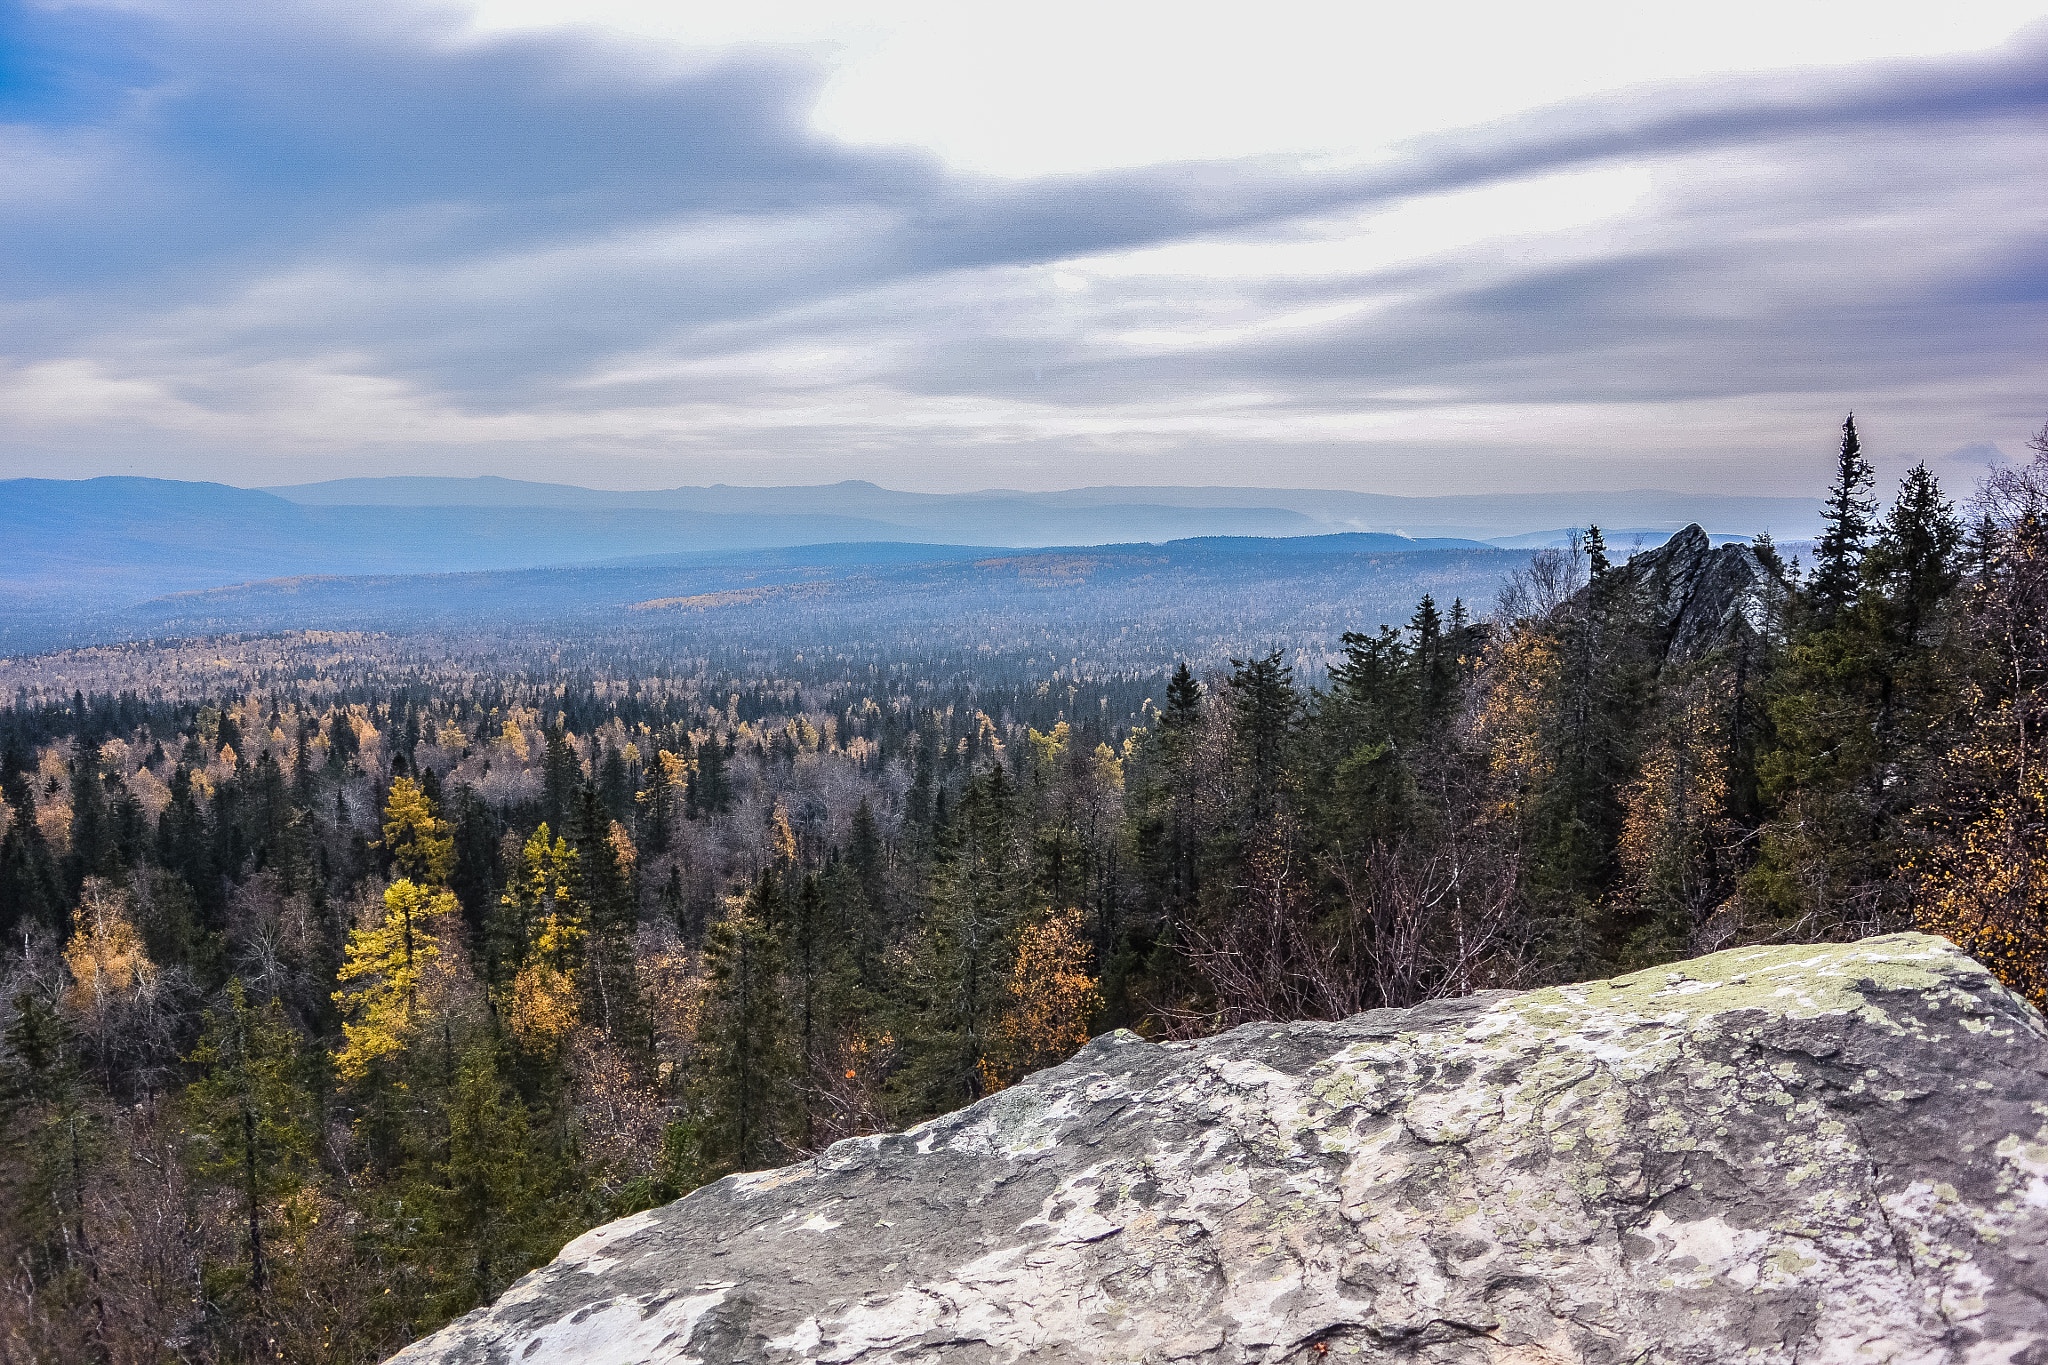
pixel 1698 598
pixel 1810 1154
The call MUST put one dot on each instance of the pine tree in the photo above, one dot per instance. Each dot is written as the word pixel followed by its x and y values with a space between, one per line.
pixel 561 773
pixel 615 784
pixel 56 1139
pixel 603 888
pixel 1263 704
pixel 867 909
pixel 490 1211
pixel 1914 561
pixel 981 889
pixel 1435 669
pixel 30 893
pixel 92 841
pixel 814 951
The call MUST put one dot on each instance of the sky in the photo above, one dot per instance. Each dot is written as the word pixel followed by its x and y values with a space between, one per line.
pixel 1461 247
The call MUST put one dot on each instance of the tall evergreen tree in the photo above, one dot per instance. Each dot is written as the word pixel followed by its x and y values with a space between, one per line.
pixel 1914 563
pixel 1263 704
pixel 981 889
pixel 1838 557
pixel 561 773
pixel 253 1110
pixel 604 888
pixel 1435 668
pixel 490 1209
pixel 741 1087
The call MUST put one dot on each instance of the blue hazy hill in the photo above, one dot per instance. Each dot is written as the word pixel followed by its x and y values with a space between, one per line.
pixel 85 556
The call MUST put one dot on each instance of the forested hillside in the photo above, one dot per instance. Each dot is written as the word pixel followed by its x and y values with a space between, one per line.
pixel 344 983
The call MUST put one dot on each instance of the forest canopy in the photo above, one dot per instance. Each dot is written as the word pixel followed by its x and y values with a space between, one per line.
pixel 344 981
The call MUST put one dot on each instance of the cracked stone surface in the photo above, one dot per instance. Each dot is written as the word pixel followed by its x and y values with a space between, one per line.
pixel 1820 1155
pixel 1699 598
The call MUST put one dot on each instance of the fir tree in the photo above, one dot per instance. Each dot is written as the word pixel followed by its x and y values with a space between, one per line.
pixel 1263 704
pixel 981 892
pixel 604 889
pixel 1183 701
pixel 561 773
pixel 1913 563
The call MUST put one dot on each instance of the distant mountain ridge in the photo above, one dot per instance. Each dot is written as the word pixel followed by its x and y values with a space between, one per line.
pixel 98 545
pixel 1022 514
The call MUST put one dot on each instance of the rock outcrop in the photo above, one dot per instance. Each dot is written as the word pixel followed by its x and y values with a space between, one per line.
pixel 1698 598
pixel 1808 1154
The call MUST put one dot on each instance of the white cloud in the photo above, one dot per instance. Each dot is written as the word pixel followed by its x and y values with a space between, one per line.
pixel 1071 85
pixel 666 279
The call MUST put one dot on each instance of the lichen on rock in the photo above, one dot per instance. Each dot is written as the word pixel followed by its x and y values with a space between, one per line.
pixel 1817 1154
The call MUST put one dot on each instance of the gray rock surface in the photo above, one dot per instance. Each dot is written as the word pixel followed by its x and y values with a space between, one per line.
pixel 1820 1155
pixel 1698 598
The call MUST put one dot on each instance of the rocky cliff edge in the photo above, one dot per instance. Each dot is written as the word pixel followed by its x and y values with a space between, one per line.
pixel 1808 1154
pixel 1699 598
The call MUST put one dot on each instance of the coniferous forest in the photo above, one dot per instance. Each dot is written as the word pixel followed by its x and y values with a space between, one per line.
pixel 337 996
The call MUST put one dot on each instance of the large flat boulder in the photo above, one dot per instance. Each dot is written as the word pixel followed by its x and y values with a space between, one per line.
pixel 1807 1154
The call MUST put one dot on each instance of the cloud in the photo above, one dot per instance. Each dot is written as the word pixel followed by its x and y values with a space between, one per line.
pixel 1978 454
pixel 230 235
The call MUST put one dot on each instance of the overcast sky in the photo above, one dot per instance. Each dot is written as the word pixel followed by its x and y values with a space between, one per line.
pixel 1394 247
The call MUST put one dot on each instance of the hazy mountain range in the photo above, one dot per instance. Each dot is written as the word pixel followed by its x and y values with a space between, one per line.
pixel 93 550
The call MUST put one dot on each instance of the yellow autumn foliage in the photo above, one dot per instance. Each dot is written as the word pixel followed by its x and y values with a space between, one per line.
pixel 544 1005
pixel 1519 673
pixel 105 955
pixel 1984 885
pixel 382 973
pixel 1053 1001
pixel 422 845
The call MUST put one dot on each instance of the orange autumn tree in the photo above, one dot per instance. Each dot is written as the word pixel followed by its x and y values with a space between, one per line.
pixel 1053 1000
pixel 1982 880
pixel 1982 872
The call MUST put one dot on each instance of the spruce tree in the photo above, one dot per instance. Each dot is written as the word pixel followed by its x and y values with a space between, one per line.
pixel 490 1210
pixel 868 928
pixel 741 1086
pixel 1838 557
pixel 1435 669
pixel 981 889
pixel 252 1109
pixel 614 784
pixel 1264 704
pixel 1914 562
pixel 1183 700
pixel 561 773
pixel 604 888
